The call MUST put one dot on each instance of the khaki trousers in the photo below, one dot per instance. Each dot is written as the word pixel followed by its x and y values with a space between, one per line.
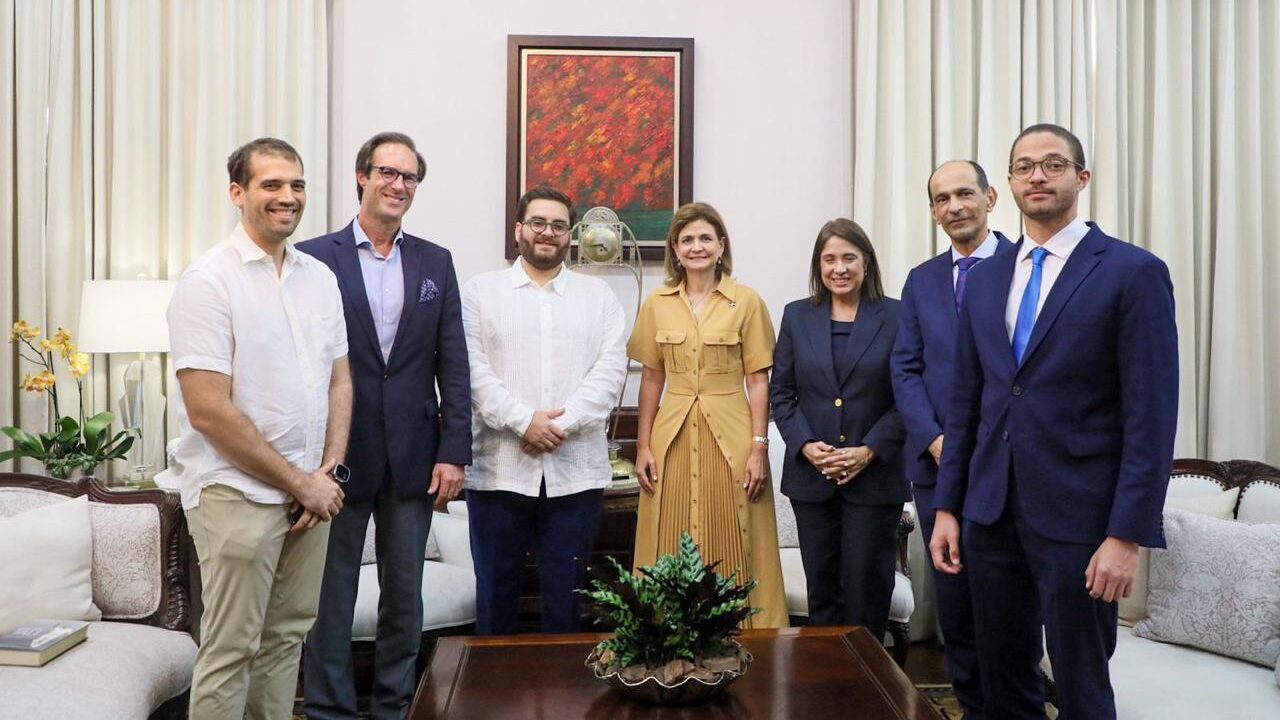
pixel 261 589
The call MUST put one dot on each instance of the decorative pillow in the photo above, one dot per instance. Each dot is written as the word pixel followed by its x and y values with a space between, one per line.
pixel 1219 504
pixel 46 556
pixel 1216 587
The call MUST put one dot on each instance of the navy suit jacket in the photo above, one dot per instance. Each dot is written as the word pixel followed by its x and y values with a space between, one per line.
pixel 803 390
pixel 1086 423
pixel 924 358
pixel 398 421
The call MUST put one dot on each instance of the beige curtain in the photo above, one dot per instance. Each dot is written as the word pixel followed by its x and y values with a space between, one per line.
pixel 113 166
pixel 1176 104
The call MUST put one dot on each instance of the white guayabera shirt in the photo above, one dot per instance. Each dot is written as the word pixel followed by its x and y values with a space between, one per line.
pixel 277 337
pixel 541 348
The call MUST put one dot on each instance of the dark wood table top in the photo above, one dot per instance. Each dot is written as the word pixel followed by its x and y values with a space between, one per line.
pixel 809 673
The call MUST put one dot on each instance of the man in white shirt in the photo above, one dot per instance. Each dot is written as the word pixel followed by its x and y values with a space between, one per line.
pixel 547 354
pixel 260 350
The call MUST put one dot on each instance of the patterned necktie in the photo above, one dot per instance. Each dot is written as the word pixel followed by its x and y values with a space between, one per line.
pixel 963 265
pixel 1027 310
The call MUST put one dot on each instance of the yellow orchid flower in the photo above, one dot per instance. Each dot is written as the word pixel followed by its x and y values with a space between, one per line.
pixel 47 346
pixel 79 363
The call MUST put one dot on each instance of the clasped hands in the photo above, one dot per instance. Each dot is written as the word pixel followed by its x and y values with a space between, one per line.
pixel 838 464
pixel 543 435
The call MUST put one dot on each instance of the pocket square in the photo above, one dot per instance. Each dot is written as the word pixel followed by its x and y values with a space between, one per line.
pixel 428 291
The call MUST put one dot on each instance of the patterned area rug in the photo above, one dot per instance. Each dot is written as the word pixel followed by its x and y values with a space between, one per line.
pixel 943 700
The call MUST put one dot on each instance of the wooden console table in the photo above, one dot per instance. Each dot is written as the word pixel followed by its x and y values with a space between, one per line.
pixel 797 673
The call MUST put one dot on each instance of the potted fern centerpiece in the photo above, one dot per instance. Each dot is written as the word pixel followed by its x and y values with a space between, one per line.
pixel 675 623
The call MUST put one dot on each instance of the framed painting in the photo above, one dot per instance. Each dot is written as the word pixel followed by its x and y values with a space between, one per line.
pixel 608 121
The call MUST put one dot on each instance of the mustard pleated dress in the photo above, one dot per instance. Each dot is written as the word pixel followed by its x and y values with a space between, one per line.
pixel 701 437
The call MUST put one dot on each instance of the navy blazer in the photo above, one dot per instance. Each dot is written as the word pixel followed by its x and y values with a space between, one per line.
pixel 398 422
pixel 804 389
pixel 924 358
pixel 1087 420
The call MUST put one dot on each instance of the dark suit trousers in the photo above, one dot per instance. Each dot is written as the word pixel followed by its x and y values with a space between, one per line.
pixel 1021 580
pixel 401 539
pixel 562 531
pixel 955 618
pixel 848 553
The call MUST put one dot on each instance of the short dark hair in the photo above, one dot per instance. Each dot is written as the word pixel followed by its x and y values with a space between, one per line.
pixel 545 192
pixel 685 214
pixel 983 183
pixel 872 287
pixel 364 158
pixel 240 162
pixel 1066 135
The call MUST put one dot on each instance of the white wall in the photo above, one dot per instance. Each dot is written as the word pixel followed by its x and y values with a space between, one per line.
pixel 772 119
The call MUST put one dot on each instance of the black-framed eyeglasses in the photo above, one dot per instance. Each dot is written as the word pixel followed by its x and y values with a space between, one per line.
pixel 540 225
pixel 1053 167
pixel 389 175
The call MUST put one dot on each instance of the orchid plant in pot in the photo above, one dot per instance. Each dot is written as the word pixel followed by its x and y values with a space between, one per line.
pixel 72 443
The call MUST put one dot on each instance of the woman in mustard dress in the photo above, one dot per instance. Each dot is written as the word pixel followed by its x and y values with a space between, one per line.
pixel 702 456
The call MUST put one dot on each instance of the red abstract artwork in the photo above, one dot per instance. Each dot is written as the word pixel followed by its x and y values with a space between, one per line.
pixel 602 128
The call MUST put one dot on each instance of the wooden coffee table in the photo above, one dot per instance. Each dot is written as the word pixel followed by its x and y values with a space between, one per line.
pixel 809 673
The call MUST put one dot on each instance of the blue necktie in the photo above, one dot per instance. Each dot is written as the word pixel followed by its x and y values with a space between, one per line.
pixel 1027 310
pixel 962 271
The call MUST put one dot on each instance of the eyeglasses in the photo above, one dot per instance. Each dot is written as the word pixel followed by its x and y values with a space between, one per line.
pixel 1053 167
pixel 539 225
pixel 389 175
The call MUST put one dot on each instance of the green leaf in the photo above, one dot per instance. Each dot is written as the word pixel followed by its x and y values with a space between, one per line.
pixel 24 440
pixel 94 426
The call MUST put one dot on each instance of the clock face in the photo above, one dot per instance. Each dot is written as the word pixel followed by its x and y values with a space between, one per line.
pixel 600 244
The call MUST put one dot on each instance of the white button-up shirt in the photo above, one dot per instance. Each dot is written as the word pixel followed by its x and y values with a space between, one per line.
pixel 277 336
pixel 531 348
pixel 983 251
pixel 1060 247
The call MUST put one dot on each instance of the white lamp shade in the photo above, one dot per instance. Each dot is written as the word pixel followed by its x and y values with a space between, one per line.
pixel 118 316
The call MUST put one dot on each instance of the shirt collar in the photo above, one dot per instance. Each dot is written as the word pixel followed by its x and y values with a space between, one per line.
pixel 726 287
pixel 983 251
pixel 362 238
pixel 520 277
pixel 1061 244
pixel 249 251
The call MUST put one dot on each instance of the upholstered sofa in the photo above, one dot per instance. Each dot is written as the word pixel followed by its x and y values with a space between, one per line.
pixel 138 658
pixel 903 603
pixel 1182 598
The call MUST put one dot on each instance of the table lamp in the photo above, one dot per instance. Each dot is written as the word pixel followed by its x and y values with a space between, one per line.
pixel 128 316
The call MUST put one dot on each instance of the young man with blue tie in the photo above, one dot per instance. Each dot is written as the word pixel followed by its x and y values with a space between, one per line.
pixel 960 198
pixel 1059 438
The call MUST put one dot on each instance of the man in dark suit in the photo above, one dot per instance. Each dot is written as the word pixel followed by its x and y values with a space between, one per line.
pixel 1059 438
pixel 960 197
pixel 408 443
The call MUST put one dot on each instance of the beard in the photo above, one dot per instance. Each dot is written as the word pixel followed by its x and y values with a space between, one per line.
pixel 1055 206
pixel 529 253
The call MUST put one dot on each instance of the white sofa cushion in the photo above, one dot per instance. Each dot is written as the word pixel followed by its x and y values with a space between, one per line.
pixel 1216 587
pixel 448 599
pixel 1214 503
pixel 1157 681
pixel 122 670
pixel 1260 502
pixel 788 535
pixel 45 558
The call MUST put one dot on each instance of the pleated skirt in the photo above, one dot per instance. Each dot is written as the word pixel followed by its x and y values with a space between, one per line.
pixel 699 494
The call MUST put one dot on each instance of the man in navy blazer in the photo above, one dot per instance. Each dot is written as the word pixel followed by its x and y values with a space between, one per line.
pixel 1059 438
pixel 960 198
pixel 408 444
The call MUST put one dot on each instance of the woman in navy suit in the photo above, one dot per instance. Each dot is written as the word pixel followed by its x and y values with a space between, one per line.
pixel 833 405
